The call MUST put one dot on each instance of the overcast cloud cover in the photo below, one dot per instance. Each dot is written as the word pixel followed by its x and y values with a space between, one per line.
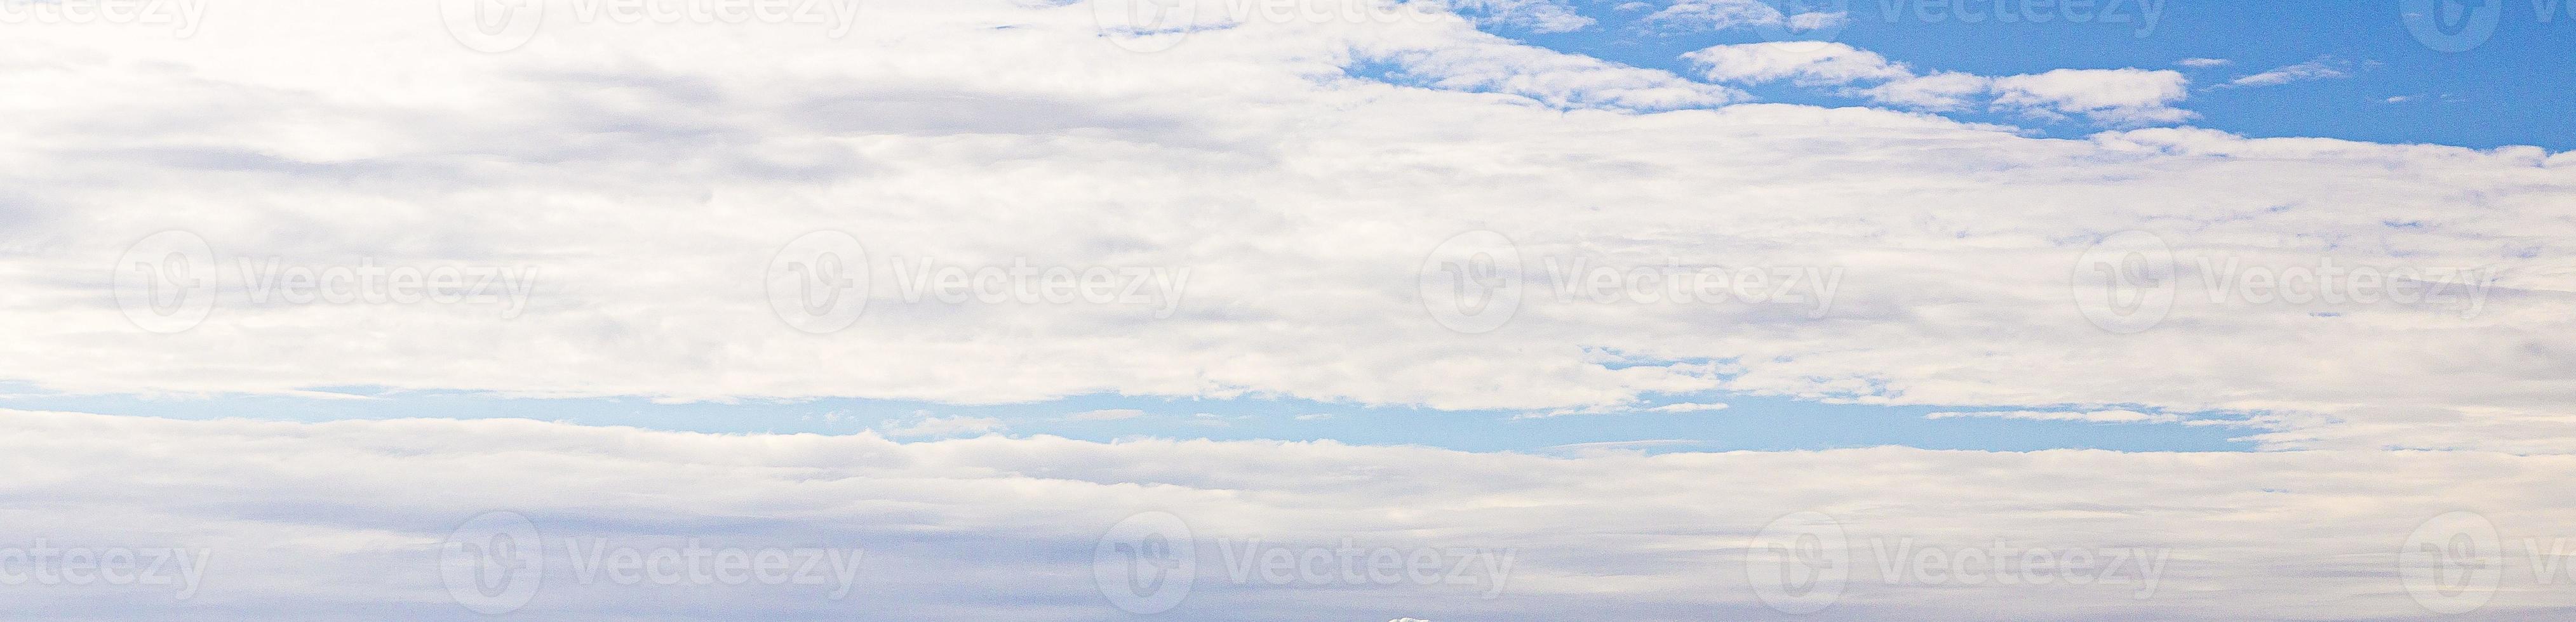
pixel 1272 199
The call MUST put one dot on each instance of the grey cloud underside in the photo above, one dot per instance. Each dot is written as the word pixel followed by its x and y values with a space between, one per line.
pixel 321 521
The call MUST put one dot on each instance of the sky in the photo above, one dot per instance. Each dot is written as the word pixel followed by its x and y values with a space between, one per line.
pixel 1618 310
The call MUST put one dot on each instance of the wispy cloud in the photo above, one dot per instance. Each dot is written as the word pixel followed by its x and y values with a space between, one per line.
pixel 2324 67
pixel 922 425
pixel 2096 416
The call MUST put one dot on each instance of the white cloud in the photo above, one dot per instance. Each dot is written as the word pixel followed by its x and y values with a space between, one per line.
pixel 1554 78
pixel 1535 15
pixel 1686 408
pixel 2106 96
pixel 1822 63
pixel 2119 97
pixel 2205 62
pixel 2324 67
pixel 290 511
pixel 1715 15
pixel 1942 91
pixel 649 174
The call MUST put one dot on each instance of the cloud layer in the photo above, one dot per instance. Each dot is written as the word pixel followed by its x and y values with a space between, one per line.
pixel 315 521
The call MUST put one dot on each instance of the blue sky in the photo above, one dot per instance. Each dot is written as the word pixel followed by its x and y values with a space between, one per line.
pixel 1763 424
pixel 2515 88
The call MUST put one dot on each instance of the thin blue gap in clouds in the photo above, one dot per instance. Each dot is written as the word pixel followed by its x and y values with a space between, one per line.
pixel 1755 423
pixel 2510 88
